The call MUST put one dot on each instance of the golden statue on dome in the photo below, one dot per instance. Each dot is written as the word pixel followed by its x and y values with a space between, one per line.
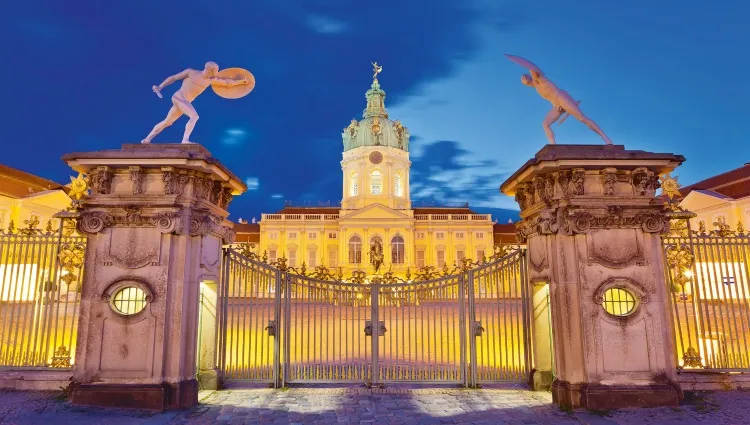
pixel 377 69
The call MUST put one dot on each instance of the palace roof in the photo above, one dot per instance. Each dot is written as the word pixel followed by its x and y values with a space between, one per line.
pixel 20 184
pixel 734 184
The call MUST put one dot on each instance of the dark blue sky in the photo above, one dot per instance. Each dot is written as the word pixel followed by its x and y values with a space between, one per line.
pixel 661 76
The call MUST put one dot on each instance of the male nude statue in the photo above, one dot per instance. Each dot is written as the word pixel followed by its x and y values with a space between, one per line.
pixel 561 101
pixel 193 84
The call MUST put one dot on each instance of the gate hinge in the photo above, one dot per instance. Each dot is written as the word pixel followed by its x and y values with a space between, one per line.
pixel 478 329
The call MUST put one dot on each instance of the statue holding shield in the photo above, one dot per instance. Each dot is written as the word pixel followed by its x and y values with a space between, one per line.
pixel 230 83
pixel 563 103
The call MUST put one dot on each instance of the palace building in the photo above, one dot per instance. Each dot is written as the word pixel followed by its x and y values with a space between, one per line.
pixel 720 199
pixel 26 198
pixel 376 211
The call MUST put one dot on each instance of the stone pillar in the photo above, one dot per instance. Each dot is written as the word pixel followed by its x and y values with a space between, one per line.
pixel 156 222
pixel 592 225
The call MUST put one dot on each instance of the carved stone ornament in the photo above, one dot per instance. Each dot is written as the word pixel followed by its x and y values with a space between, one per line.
pixel 539 190
pixel 101 180
pixel 563 180
pixel 582 221
pixel 203 224
pixel 645 182
pixel 93 222
pixel 609 179
pixel 202 187
pixel 576 182
pixel 174 183
pixel 521 197
pixel 136 176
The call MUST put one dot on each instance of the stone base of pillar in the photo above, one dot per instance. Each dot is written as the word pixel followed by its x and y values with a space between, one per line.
pixel 541 380
pixel 167 396
pixel 592 396
pixel 209 379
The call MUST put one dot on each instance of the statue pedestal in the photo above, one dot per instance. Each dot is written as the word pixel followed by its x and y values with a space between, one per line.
pixel 156 221
pixel 592 226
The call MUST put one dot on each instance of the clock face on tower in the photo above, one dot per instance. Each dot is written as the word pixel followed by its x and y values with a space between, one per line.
pixel 376 157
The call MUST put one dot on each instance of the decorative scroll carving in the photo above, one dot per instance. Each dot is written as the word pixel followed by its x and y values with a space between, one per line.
pixel 136 176
pixel 581 221
pixel 546 223
pixel 203 223
pixel 101 181
pixel 93 222
pixel 226 198
pixel 174 183
pixel 352 128
pixel 549 186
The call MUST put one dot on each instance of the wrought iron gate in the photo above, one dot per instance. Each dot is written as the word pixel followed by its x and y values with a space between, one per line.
pixel 468 328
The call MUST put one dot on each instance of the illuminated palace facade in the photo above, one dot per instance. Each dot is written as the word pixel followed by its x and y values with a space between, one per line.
pixel 376 207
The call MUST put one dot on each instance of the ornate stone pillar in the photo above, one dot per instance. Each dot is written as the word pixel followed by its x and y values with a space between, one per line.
pixel 156 222
pixel 592 225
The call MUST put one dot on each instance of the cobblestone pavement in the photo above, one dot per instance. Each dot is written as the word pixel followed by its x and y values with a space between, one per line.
pixel 377 406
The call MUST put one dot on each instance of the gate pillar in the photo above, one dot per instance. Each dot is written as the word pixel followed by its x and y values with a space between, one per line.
pixel 592 225
pixel 156 221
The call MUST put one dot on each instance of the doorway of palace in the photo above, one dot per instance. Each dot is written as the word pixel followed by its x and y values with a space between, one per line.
pixel 284 328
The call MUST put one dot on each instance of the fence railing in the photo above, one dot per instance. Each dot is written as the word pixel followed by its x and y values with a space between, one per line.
pixel 40 281
pixel 710 297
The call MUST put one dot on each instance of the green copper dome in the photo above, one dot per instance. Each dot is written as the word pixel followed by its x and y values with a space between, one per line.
pixel 375 129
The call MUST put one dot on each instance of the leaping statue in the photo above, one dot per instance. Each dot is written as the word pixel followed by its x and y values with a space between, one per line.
pixel 562 103
pixel 230 83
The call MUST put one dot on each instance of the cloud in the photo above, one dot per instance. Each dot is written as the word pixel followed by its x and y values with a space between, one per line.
pixel 234 136
pixel 277 196
pixel 325 25
pixel 443 172
pixel 253 183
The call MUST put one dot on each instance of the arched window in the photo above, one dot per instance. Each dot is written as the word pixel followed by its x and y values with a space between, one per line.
pixel 397 185
pixel 397 250
pixel 376 183
pixel 355 250
pixel 354 185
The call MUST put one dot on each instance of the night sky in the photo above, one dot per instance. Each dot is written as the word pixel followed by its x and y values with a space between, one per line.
pixel 660 76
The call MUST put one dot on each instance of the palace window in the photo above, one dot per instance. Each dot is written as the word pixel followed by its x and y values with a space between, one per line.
pixel 355 250
pixel 479 235
pixel 354 185
pixel 3 217
pixel 312 258
pixel 312 235
pixel 420 258
pixel 397 250
pixel 273 235
pixel 332 235
pixel 459 235
pixel 333 257
pixel 420 235
pixel 439 235
pixel 272 254
pixel 397 185
pixel 292 257
pixel 292 235
pixel 618 302
pixel 440 258
pixel 376 183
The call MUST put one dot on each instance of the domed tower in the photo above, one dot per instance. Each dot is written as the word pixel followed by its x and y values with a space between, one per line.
pixel 376 156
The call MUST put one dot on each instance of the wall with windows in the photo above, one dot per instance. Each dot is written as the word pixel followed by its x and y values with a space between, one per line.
pixel 375 174
pixel 711 207
pixel 42 206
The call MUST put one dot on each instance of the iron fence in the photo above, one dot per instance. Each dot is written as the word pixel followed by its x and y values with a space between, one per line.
pixel 710 297
pixel 467 328
pixel 40 282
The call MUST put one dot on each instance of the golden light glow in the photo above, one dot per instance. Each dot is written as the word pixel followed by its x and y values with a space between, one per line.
pixel 618 302
pixel 129 301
